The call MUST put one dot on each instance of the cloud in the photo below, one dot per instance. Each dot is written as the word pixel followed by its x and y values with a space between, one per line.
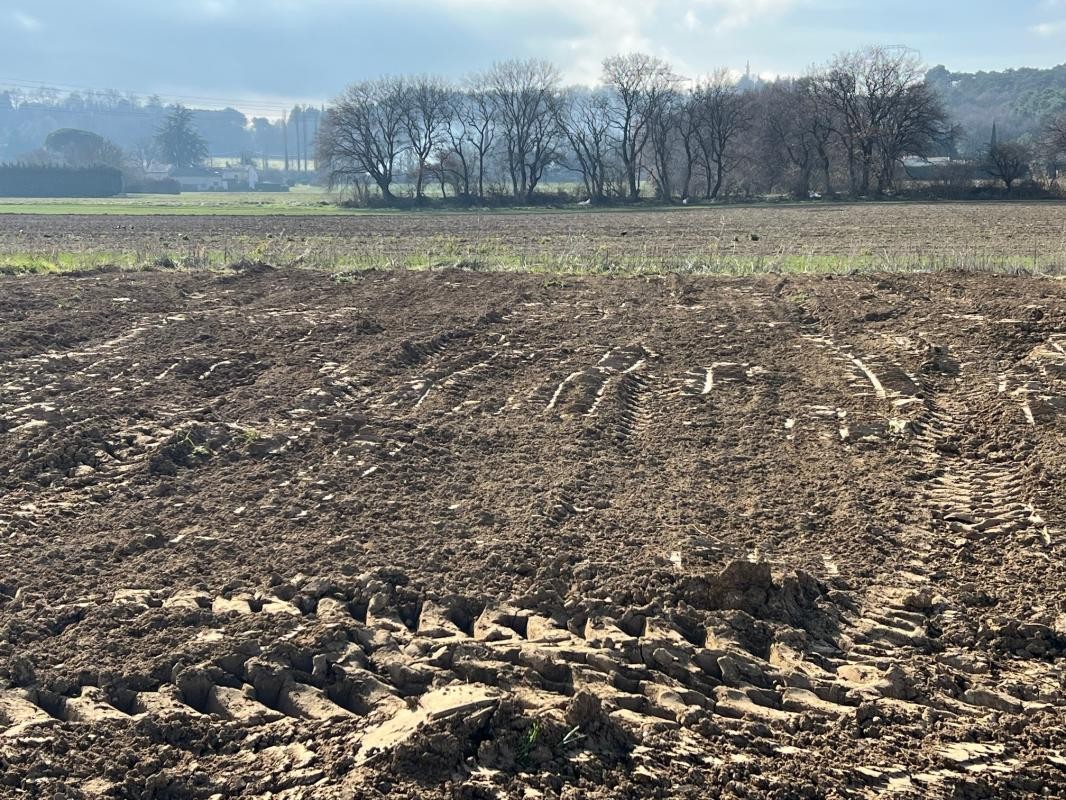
pixel 309 49
pixel 598 28
pixel 216 8
pixel 25 21
pixel 1047 29
pixel 735 14
pixel 577 33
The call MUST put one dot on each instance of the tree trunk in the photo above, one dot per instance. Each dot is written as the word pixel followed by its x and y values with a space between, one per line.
pixel 718 178
pixel 420 178
pixel 686 178
pixel 631 177
pixel 867 166
pixel 802 188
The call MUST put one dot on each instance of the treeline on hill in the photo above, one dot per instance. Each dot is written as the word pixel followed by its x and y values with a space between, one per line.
pixel 852 126
pixel 33 180
pixel 1017 101
pixel 27 116
pixel 175 145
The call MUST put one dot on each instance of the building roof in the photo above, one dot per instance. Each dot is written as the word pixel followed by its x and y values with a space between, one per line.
pixel 196 172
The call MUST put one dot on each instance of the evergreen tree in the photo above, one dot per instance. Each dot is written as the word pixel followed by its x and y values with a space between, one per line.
pixel 178 142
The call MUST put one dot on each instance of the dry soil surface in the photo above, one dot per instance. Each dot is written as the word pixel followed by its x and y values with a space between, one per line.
pixel 895 234
pixel 451 534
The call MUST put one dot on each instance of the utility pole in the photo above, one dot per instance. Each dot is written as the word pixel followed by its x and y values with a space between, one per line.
pixel 285 137
pixel 303 122
pixel 318 125
pixel 296 126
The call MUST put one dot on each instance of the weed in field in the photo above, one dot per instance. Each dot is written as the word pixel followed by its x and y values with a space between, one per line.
pixel 852 239
pixel 499 258
pixel 527 744
pixel 250 435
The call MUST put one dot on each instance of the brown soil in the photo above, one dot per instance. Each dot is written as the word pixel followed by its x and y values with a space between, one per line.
pixel 961 234
pixel 267 534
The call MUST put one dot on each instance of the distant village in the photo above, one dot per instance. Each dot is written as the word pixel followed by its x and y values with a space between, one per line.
pixel 100 144
pixel 724 137
pixel 240 178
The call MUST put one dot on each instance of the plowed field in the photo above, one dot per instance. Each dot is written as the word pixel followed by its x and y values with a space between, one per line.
pixel 450 534
pixel 730 239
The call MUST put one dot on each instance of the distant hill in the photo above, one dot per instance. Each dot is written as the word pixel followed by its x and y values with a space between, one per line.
pixel 28 116
pixel 1017 100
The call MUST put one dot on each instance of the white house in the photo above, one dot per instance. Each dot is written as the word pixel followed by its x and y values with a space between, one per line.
pixel 208 179
pixel 199 179
pixel 243 175
pixel 918 162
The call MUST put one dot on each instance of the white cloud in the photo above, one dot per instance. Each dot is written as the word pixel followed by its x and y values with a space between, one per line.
pixel 1049 28
pixel 606 27
pixel 734 14
pixel 25 21
pixel 216 8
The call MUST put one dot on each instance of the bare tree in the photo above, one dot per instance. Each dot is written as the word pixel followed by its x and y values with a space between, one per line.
pixel 861 115
pixel 663 121
pixel 783 140
pixel 525 95
pixel 427 115
pixel 363 133
pixel 1053 143
pixel 882 109
pixel 585 119
pixel 141 156
pixel 1055 133
pixel 1008 162
pixel 689 119
pixel 454 161
pixel 450 168
pixel 725 115
pixel 796 132
pixel 914 126
pixel 639 84
pixel 474 123
pixel 821 117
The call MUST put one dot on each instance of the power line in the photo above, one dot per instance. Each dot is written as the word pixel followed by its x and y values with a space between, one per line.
pixel 46 85
pixel 247 103
pixel 109 112
pixel 276 114
pixel 153 114
pixel 144 113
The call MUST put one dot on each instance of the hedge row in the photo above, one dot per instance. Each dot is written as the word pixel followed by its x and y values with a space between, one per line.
pixel 154 186
pixel 26 180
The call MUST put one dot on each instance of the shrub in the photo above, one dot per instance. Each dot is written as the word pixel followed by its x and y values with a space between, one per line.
pixel 24 180
pixel 265 186
pixel 153 186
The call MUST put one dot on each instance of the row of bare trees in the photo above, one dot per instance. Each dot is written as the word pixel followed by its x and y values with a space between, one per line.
pixel 848 125
pixel 505 121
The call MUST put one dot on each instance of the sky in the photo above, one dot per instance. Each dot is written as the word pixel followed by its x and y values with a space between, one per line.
pixel 260 53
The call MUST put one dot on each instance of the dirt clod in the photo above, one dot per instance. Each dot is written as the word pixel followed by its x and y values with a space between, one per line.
pixel 465 534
